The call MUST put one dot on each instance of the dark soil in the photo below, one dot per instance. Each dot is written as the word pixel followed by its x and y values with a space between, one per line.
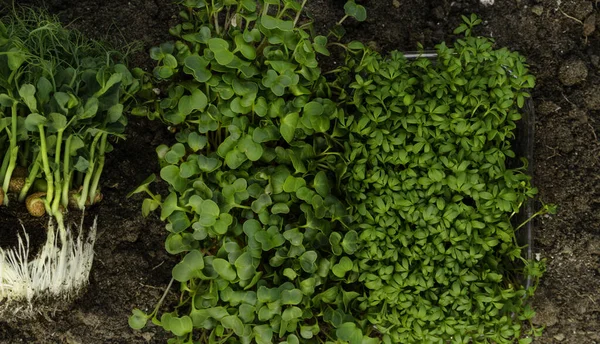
pixel 562 45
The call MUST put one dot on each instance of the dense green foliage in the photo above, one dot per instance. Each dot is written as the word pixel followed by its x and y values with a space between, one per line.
pixel 430 193
pixel 61 97
pixel 371 207
pixel 251 179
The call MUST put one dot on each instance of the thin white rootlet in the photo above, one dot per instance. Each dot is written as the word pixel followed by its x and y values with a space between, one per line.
pixel 61 268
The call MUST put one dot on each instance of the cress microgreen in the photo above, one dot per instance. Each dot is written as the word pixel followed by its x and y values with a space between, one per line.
pixel 427 145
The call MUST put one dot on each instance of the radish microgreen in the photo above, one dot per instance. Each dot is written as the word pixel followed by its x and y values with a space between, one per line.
pixel 250 206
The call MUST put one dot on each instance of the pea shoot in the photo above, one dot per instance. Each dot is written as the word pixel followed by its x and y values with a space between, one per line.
pixel 61 98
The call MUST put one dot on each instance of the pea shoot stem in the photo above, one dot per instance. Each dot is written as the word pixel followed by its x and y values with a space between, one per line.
pixel 67 174
pixel 98 172
pixel 57 179
pixel 13 150
pixel 88 176
pixel 46 167
pixel 35 168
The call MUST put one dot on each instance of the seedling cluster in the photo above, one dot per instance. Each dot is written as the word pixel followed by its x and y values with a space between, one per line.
pixel 61 98
pixel 427 145
pixel 374 203
pixel 370 206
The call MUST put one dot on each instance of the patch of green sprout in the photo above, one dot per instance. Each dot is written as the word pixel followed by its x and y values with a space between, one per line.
pixel 61 97
pixel 62 101
pixel 431 197
pixel 252 206
pixel 372 207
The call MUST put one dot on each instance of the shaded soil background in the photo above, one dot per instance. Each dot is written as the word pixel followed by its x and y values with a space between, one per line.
pixel 562 44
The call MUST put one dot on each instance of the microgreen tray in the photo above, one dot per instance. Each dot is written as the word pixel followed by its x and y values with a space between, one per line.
pixel 523 147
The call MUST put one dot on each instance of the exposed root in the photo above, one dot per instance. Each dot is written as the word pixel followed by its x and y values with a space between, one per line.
pixel 58 274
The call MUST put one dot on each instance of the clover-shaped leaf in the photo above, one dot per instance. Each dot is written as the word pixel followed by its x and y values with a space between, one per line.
pixel 288 126
pixel 335 240
pixel 235 158
pixel 349 332
pixel 252 149
pixel 179 242
pixel 207 210
pixel 224 269
pixel 308 261
pixel 197 66
pixel 202 36
pixel 244 47
pixel 158 53
pixel 189 267
pixel 294 236
pixel 178 222
pixel 352 9
pixel 263 334
pixel 277 83
pixel 320 45
pixel 350 242
pixel 220 49
pixel 321 184
pixel 280 208
pixel 138 319
pixel 271 23
pixel 245 266
pixel 342 267
pixel 293 184
pixel 222 224
pixel 180 326
pixel 270 239
pixel 208 164
pixel 196 101
pixel 269 133
pixel 234 323
pixel 196 141
pixel 261 203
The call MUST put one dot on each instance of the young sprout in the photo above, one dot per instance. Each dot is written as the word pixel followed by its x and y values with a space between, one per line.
pixel 62 98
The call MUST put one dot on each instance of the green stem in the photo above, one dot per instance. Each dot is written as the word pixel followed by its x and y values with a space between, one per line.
pixel 98 172
pixel 342 20
pixel 227 19
pixel 13 149
pixel 67 174
pixel 299 12
pixel 47 171
pixel 241 206
pixel 216 18
pixel 4 166
pixel 88 176
pixel 61 226
pixel 57 179
pixel 35 168
pixel 162 299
